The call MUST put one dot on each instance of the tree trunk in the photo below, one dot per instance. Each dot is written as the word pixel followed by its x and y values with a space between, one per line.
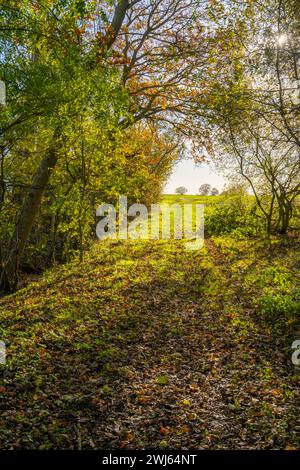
pixel 285 221
pixel 9 271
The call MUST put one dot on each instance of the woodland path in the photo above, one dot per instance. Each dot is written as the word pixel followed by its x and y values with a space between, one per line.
pixel 145 346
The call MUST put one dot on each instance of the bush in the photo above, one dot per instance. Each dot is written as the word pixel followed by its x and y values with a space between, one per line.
pixel 235 215
pixel 274 305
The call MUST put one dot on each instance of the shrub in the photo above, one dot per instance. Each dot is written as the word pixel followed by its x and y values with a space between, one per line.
pixel 274 305
pixel 235 215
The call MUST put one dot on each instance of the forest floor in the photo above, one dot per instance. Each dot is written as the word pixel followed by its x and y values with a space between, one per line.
pixel 148 345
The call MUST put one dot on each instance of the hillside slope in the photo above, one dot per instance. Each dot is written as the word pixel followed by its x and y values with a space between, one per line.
pixel 146 345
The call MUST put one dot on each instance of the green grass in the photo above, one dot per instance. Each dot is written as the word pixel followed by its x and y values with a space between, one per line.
pixel 194 199
pixel 148 345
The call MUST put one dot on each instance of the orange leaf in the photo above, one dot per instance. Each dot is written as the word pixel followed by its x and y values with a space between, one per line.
pixel 164 431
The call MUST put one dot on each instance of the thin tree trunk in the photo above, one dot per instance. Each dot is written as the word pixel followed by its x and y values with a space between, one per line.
pixel 9 271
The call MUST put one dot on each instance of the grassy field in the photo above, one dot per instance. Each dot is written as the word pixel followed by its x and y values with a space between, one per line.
pixel 148 345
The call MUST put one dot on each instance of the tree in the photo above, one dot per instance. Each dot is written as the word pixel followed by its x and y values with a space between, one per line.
pixel 204 189
pixel 174 56
pixel 214 192
pixel 52 76
pixel 236 188
pixel 181 190
pixel 260 135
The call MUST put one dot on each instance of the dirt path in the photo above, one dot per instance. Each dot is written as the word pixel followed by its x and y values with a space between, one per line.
pixel 225 379
pixel 165 353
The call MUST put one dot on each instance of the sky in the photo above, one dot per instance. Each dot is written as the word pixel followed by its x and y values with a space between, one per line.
pixel 187 174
